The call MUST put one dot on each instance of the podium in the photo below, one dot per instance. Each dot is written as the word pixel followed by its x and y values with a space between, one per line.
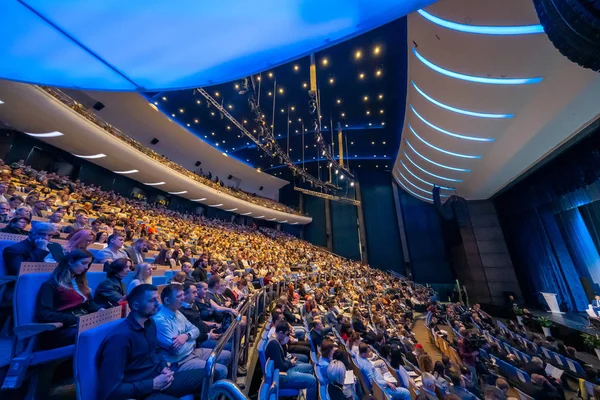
pixel 551 301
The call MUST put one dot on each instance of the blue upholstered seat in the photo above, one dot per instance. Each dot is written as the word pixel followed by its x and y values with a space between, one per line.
pixel 159 280
pixel 94 279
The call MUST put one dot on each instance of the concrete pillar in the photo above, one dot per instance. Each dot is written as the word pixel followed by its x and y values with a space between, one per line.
pixel 328 233
pixel 401 230
pixel 364 255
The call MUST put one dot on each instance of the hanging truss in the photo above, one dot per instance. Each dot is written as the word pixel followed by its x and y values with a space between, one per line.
pixel 327 196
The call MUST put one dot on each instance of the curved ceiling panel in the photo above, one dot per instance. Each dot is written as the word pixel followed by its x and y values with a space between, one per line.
pixel 151 46
pixel 80 135
pixel 488 97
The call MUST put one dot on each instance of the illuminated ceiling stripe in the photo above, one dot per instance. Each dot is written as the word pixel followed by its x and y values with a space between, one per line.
pixel 45 135
pixel 416 187
pixel 410 191
pixel 131 171
pixel 215 205
pixel 154 184
pixel 482 29
pixel 421 179
pixel 440 149
pixel 459 110
pixel 476 79
pixel 429 173
pixel 445 132
pixel 182 192
pixel 433 162
pixel 93 156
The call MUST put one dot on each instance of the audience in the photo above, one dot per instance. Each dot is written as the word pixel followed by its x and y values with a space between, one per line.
pixel 113 251
pixel 141 274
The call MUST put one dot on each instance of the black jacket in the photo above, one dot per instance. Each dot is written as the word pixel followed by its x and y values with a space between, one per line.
pixel 48 302
pixel 12 229
pixel 24 250
pixel 199 274
pixel 275 352
pixel 109 292
pixel 335 392
pixel 193 315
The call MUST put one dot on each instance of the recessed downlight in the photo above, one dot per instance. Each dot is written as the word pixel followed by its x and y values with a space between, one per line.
pixel 91 156
pixel 44 135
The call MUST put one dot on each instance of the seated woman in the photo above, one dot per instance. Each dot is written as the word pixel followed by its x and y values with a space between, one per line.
pixel 179 277
pixel 77 240
pixel 142 274
pixel 17 226
pixel 101 237
pixel 65 297
pixel 112 290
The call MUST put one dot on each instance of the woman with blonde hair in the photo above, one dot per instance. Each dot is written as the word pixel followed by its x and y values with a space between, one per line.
pixel 336 374
pixel 141 274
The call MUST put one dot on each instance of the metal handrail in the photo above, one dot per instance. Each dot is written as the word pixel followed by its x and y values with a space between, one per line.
pixel 234 330
pixel 227 388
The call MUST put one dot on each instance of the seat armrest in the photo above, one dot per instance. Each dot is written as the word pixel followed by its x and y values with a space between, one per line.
pixel 7 279
pixel 282 373
pixel 28 330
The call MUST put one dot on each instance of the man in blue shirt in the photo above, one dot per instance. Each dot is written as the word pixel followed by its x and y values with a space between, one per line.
pixel 128 362
pixel 372 374
pixel 177 336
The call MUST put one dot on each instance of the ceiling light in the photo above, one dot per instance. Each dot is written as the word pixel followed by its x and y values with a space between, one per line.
pixel 197 101
pixel 217 94
pixel 380 111
pixel 304 84
pixel 164 98
pixel 358 55
pixel 325 61
pixel 331 80
pixel 339 101
pixel 182 192
pixel 343 114
pixel 433 162
pixel 483 30
pixel 154 183
pixel 476 79
pixel 438 148
pixel 212 113
pixel 93 156
pixel 270 74
pixel 383 123
pixel 370 123
pixel 380 96
pixel 45 135
pixel 383 142
pixel 346 127
pixel 247 213
pixel 296 68
pixel 366 98
pixel 230 106
pixel 282 110
pixel 456 135
pixel 280 90
pixel 215 205
pixel 376 50
pixel 361 76
pixel 232 209
pixel 155 103
pixel 258 78
pixel 368 112
pixel 262 216
pixel 172 115
pixel 202 199
pixel 459 110
pixel 237 86
pixel 341 176
pixel 372 142
pixel 410 191
pixel 270 94
pixel 429 173
pixel 271 219
pixel 131 171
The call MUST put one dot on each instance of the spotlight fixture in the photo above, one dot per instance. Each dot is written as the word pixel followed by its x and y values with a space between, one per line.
pixel 358 54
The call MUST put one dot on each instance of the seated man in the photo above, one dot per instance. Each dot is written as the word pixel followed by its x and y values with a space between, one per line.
pixel 458 387
pixel 297 376
pixel 596 304
pixel 136 252
pixel 316 333
pixel 190 309
pixel 128 363
pixel 370 374
pixel 32 249
pixel 113 251
pixel 177 336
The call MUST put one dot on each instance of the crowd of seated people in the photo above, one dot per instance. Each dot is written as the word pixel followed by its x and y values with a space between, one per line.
pixel 356 316
pixel 205 179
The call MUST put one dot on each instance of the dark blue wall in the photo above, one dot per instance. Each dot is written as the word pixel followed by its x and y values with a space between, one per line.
pixel 381 225
pixel 424 236
pixel 315 232
pixel 344 224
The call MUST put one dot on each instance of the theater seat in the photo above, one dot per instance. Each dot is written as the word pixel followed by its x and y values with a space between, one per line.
pixel 94 279
pixel 85 367
pixel 159 280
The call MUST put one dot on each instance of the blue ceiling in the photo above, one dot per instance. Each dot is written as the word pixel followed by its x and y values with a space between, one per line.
pixel 139 45
pixel 362 85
